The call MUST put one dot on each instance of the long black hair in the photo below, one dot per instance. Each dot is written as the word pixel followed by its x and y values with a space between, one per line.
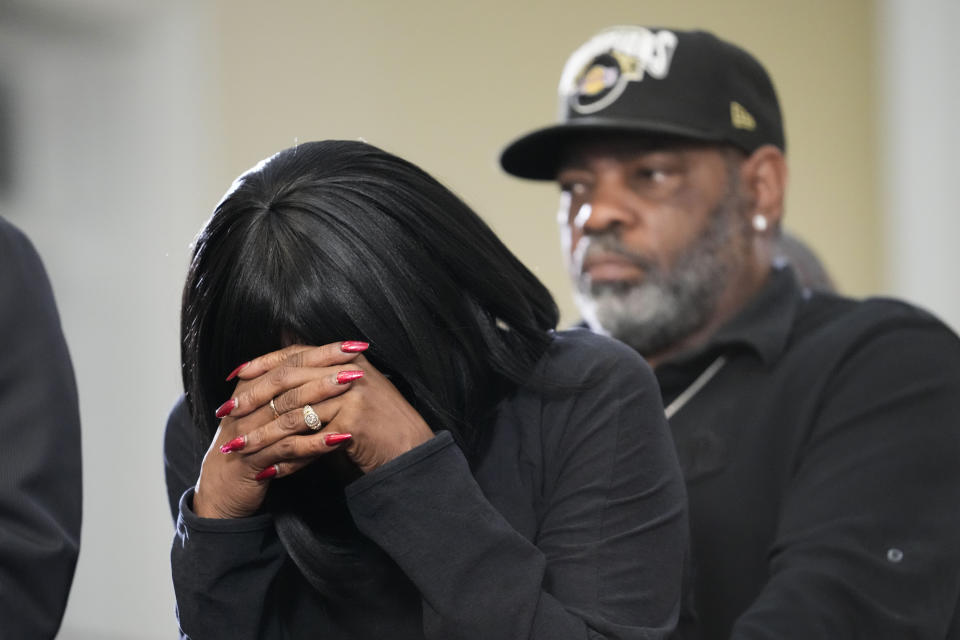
pixel 339 240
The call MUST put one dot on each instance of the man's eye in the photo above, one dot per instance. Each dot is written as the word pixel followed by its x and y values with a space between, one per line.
pixel 652 175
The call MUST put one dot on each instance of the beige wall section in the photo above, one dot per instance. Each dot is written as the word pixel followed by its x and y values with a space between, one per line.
pixel 446 84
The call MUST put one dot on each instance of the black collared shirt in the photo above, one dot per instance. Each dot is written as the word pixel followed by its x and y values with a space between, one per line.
pixel 823 469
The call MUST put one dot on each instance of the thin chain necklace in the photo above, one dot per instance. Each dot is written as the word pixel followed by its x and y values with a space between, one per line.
pixel 695 387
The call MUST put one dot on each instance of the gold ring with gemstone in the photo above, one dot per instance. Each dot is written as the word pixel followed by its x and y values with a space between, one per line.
pixel 311 418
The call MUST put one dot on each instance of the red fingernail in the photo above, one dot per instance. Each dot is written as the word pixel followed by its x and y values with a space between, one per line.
pixel 348 376
pixel 233 374
pixel 353 346
pixel 227 407
pixel 234 445
pixel 333 439
pixel 269 472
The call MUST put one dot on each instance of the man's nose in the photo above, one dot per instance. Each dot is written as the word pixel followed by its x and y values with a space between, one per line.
pixel 611 208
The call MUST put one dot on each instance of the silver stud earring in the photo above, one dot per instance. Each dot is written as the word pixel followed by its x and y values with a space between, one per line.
pixel 759 223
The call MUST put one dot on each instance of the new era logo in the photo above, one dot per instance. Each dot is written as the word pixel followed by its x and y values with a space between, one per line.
pixel 741 118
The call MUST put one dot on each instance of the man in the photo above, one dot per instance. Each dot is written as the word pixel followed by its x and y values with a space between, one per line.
pixel 819 435
pixel 40 484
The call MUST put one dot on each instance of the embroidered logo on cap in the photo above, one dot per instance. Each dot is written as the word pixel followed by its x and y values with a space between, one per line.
pixel 740 118
pixel 598 72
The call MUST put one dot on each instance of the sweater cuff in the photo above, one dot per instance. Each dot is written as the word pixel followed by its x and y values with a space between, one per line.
pixel 431 447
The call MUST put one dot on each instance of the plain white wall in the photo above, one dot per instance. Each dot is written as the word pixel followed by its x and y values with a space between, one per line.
pixel 918 52
pixel 110 144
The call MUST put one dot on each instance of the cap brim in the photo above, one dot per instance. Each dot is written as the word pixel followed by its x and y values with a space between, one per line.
pixel 538 154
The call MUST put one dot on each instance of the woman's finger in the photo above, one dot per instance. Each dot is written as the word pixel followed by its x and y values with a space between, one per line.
pixel 284 425
pixel 280 469
pixel 231 428
pixel 319 388
pixel 264 362
pixel 298 355
pixel 290 388
pixel 295 452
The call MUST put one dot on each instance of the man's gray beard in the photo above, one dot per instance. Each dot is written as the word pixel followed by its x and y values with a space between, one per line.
pixel 667 306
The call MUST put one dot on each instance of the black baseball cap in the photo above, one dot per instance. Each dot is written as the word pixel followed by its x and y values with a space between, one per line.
pixel 665 82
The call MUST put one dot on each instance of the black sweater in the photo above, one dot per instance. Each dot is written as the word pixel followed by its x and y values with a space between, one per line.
pixel 572 526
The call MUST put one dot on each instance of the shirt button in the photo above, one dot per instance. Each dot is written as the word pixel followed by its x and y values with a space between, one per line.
pixel 894 554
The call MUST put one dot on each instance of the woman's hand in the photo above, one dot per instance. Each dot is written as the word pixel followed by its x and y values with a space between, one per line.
pixel 359 409
pixel 231 486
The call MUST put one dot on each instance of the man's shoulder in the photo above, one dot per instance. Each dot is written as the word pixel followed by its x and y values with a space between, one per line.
pixel 837 319
pixel 17 250
pixel 9 232
pixel 23 280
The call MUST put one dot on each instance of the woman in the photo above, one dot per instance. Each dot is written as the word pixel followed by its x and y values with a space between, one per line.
pixel 443 464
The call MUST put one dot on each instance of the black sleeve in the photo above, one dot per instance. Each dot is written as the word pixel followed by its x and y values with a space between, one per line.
pixel 40 482
pixel 228 577
pixel 232 578
pixel 868 544
pixel 608 558
pixel 606 564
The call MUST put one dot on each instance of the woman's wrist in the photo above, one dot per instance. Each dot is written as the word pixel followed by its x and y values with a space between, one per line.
pixel 212 509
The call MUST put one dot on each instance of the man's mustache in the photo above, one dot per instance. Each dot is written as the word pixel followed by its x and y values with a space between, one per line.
pixel 606 244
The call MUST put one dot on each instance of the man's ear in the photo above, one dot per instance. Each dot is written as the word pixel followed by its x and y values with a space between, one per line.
pixel 764 177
